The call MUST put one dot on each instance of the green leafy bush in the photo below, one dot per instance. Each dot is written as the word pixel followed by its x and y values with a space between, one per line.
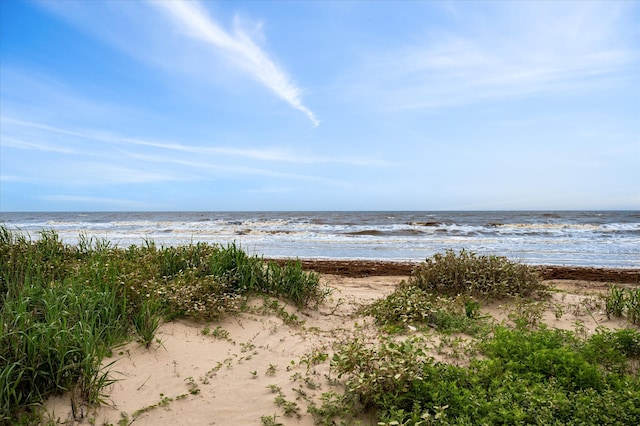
pixel 406 305
pixel 482 276
pixel 409 305
pixel 526 376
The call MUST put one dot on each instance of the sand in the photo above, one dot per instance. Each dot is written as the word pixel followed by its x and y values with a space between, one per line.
pixel 228 372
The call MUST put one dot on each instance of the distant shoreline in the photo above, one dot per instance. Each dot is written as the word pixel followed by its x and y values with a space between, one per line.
pixel 364 268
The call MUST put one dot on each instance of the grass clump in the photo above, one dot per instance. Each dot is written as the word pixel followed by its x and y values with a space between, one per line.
pixel 147 320
pixel 624 302
pixel 63 307
pixel 480 276
pixel 53 339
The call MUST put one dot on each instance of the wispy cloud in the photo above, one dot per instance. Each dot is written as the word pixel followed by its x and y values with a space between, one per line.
pixel 185 41
pixel 197 24
pixel 92 200
pixel 12 142
pixel 237 169
pixel 100 157
pixel 554 49
pixel 262 154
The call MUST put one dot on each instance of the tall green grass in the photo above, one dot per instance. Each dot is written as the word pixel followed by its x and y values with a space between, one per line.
pixel 63 307
pixel 56 324
pixel 624 302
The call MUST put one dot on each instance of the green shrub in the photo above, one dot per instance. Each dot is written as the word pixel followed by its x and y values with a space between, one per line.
pixel 616 351
pixel 481 276
pixel 407 305
pixel 525 377
pixel 412 306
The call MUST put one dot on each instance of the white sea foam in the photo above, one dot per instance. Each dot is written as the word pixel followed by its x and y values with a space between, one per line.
pixel 571 238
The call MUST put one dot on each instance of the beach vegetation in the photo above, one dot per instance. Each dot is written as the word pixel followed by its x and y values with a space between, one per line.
pixel 63 308
pixel 623 303
pixel 146 321
pixel 271 370
pixel 273 306
pixel 504 375
pixel 539 376
pixel 217 333
pixel 270 420
pixel 410 308
pixel 482 276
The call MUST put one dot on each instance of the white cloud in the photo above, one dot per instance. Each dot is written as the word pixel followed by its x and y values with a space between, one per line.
pixel 262 154
pixel 133 160
pixel 93 200
pixel 544 48
pixel 197 24
pixel 11 142
pixel 148 37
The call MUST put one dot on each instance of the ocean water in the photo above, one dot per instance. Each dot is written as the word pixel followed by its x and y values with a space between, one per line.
pixel 572 238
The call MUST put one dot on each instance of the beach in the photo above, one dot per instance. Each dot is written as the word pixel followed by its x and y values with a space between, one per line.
pixel 259 367
pixel 284 213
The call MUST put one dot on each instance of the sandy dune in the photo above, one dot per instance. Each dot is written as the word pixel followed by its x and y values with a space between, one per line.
pixel 229 372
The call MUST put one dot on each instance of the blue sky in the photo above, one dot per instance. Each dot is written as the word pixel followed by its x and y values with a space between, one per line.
pixel 146 105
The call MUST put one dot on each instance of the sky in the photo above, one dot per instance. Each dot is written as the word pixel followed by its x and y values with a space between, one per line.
pixel 319 105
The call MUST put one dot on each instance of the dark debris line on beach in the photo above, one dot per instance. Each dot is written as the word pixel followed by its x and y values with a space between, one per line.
pixel 364 268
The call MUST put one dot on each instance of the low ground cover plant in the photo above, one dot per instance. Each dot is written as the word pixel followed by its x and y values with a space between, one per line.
pixel 411 307
pixel 524 377
pixel 63 307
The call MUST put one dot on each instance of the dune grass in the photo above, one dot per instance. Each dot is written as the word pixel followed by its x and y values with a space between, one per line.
pixel 624 303
pixel 62 307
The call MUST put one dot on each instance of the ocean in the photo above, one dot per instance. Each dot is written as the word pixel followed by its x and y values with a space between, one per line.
pixel 570 238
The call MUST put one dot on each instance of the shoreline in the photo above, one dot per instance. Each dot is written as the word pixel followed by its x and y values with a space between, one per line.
pixel 366 268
